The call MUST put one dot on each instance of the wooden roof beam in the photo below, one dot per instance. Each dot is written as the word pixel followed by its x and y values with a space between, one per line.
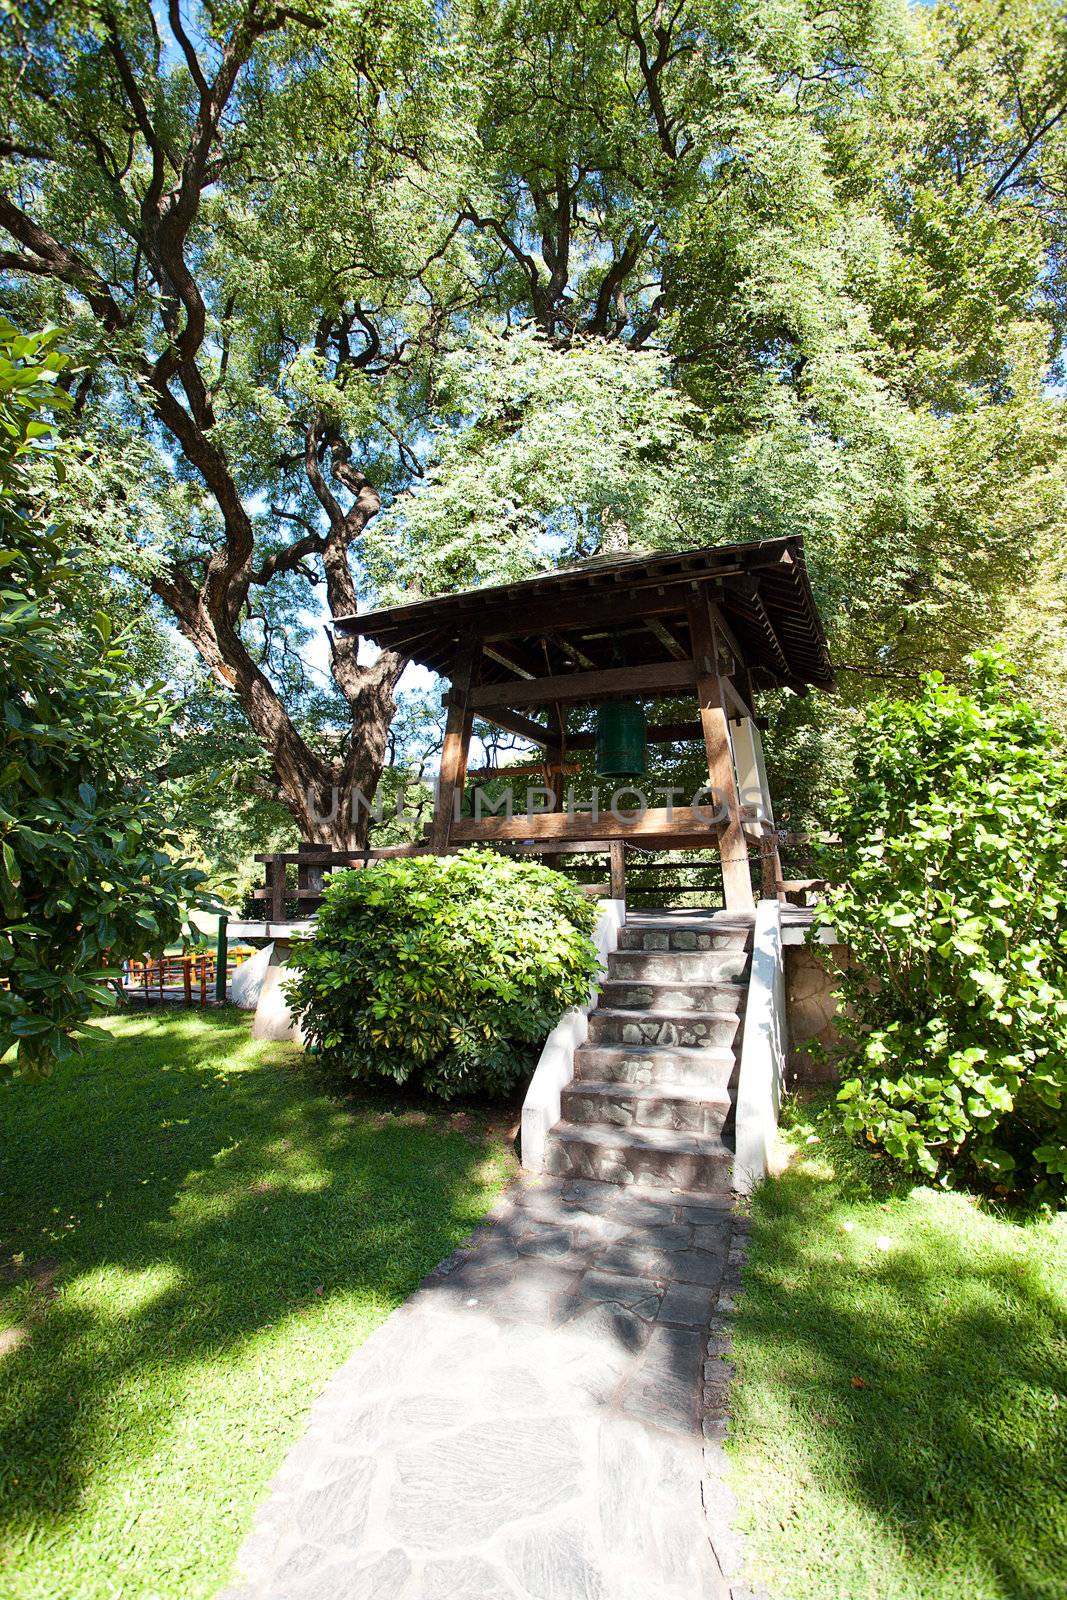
pixel 660 631
pixel 508 660
pixel 646 681
pixel 568 648
pixel 511 722
pixel 656 733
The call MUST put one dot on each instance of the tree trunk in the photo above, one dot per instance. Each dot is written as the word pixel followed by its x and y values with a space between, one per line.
pixel 174 167
pixel 329 801
pixel 614 533
pixel 358 777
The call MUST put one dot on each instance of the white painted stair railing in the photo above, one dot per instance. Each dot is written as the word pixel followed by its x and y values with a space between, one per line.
pixel 761 1072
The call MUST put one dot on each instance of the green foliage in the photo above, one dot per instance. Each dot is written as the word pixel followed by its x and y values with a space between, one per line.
pixel 221 791
pixel 470 287
pixel 533 439
pixel 952 898
pixel 445 971
pixel 898 1423
pixel 852 271
pixel 86 861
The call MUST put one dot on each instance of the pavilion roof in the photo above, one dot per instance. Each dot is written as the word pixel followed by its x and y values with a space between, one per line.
pixel 623 610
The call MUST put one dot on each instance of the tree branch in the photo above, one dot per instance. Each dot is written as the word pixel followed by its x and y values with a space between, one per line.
pixel 56 261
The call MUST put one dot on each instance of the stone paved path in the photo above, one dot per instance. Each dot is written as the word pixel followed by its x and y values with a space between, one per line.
pixel 526 1427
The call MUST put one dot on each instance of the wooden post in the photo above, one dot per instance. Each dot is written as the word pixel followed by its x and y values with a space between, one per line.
pixel 276 884
pixel 187 977
pixel 455 752
pixel 222 950
pixel 203 982
pixel 733 849
pixel 556 755
pixel 617 857
pixel 310 878
pixel 555 759
pixel 770 867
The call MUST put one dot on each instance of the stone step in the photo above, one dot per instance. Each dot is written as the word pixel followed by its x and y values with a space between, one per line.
pixel 678 966
pixel 692 1028
pixel 688 936
pixel 690 1108
pixel 711 1068
pixel 659 1158
pixel 625 995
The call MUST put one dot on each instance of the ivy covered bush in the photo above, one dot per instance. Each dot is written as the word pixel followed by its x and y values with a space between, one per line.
pixel 952 899
pixel 444 971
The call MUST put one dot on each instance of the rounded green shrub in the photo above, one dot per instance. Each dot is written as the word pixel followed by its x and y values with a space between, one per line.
pixel 446 971
pixel 951 896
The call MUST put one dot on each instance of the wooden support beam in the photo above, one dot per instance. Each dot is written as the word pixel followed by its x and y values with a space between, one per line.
pixel 572 650
pixel 559 847
pixel 556 753
pixel 733 849
pixel 454 754
pixel 666 638
pixel 738 707
pixel 659 825
pixel 726 634
pixel 277 891
pixel 511 722
pixel 554 762
pixel 508 659
pixel 664 677
pixel 657 733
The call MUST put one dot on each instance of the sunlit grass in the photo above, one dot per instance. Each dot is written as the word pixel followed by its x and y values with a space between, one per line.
pixel 198 1235
pixel 902 1409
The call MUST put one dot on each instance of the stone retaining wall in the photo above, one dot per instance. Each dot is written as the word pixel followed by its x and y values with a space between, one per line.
pixel 811 1008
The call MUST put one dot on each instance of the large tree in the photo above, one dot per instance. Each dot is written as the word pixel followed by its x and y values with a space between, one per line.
pixel 409 298
pixel 228 215
pixel 808 267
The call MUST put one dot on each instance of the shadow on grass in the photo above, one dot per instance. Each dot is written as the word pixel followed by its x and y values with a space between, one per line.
pixel 189 1192
pixel 906 1376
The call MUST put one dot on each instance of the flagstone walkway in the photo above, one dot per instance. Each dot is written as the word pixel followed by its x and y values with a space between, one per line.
pixel 528 1426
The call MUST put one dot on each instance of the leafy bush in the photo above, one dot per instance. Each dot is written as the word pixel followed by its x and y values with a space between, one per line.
pixel 445 971
pixel 952 899
pixel 87 865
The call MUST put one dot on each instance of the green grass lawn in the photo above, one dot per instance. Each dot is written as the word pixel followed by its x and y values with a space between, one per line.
pixel 196 1236
pixel 902 1404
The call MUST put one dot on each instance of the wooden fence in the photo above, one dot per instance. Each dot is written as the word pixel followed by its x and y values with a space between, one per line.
pixel 187 979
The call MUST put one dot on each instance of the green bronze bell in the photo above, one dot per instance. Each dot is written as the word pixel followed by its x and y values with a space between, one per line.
pixel 620 739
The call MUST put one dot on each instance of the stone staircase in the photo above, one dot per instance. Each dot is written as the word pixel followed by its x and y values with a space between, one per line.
pixel 651 1103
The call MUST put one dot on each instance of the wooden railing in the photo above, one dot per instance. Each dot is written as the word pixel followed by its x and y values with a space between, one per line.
pixel 189 979
pixel 293 880
pixel 308 868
